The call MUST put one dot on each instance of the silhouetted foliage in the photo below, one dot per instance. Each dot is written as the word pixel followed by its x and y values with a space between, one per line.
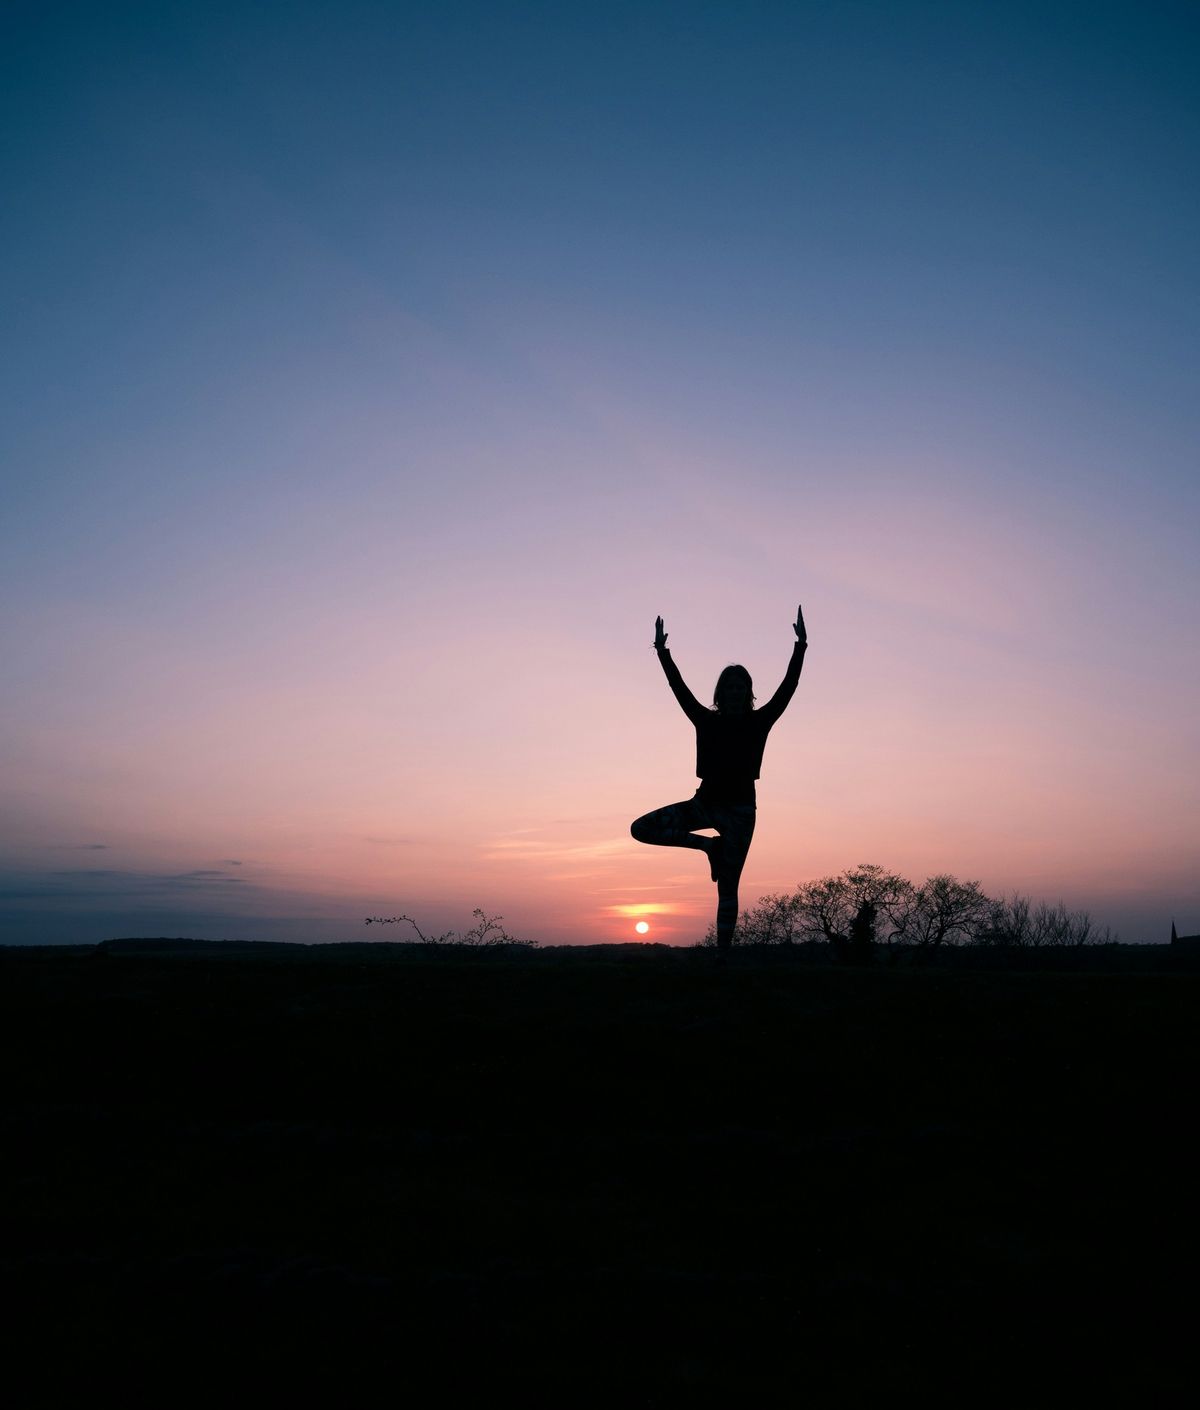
pixel 487 931
pixel 825 909
pixel 944 911
pixel 833 903
pixel 1018 923
pixel 861 949
pixel 868 905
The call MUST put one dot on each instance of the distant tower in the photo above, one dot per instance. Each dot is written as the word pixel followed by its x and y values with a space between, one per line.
pixel 1184 942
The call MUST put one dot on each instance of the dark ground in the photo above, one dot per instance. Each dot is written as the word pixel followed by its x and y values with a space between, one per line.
pixel 619 1175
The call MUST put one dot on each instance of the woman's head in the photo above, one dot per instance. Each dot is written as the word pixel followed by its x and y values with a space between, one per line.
pixel 734 694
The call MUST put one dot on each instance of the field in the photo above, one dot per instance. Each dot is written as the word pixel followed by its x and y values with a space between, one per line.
pixel 616 1173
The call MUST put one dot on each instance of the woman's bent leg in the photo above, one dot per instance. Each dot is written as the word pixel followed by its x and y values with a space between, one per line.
pixel 673 826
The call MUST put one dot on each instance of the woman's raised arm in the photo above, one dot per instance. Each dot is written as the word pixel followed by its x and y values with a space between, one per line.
pixel 688 703
pixel 778 702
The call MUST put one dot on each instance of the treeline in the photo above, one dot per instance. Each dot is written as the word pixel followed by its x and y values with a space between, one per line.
pixel 868 905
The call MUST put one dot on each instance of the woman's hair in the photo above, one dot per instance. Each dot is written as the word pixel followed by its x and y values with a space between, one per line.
pixel 731 673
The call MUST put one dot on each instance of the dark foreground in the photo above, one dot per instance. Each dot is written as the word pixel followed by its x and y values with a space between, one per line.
pixel 573 1177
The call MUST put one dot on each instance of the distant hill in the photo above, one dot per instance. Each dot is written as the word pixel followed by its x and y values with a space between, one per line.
pixel 1180 956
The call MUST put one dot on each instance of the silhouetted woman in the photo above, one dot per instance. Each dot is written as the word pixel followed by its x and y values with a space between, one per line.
pixel 730 739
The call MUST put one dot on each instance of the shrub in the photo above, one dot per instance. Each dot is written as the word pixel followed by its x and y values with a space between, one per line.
pixel 486 932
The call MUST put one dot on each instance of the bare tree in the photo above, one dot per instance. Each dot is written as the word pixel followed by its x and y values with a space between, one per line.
pixel 774 920
pixel 888 892
pixel 1011 923
pixel 1056 925
pixel 829 905
pixel 941 911
pixel 1018 923
pixel 824 909
pixel 944 911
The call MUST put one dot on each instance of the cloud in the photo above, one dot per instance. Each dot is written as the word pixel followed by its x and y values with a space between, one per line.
pixel 81 905
pixel 88 884
pixel 641 909
pixel 510 849
pixel 661 885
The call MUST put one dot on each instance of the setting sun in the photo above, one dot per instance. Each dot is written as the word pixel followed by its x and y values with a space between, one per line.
pixel 641 927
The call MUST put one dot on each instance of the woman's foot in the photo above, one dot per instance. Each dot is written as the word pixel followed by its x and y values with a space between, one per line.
pixel 714 856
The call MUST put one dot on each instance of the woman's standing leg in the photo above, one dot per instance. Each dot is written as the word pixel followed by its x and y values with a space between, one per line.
pixel 736 825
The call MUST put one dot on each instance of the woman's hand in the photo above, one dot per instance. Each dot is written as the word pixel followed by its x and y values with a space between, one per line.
pixel 797 627
pixel 660 637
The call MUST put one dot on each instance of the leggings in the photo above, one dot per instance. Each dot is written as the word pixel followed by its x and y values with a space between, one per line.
pixel 675 826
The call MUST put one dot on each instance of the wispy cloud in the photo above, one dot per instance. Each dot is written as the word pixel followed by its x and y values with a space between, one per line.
pixel 529 849
pixel 641 910
pixel 665 884
pixel 88 884
pixel 83 904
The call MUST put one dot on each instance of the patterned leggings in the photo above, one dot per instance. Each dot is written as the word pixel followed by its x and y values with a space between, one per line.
pixel 675 826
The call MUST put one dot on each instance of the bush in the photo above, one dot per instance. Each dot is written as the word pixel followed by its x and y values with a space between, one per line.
pixel 487 931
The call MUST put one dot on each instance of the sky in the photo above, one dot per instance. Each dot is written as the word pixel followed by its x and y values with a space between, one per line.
pixel 374 374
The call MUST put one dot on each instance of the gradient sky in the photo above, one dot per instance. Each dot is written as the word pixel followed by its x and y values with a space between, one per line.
pixel 374 374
